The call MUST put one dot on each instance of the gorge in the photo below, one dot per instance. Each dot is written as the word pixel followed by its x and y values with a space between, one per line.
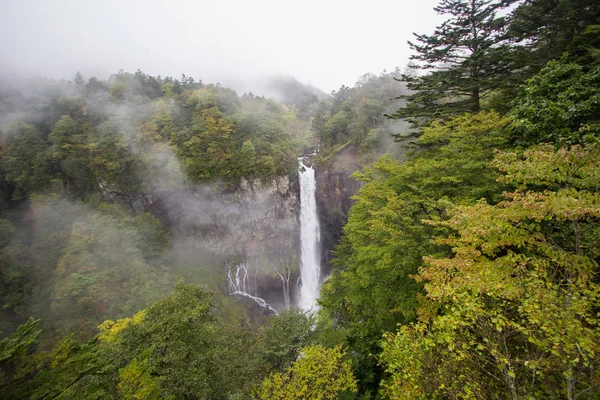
pixel 428 232
pixel 298 267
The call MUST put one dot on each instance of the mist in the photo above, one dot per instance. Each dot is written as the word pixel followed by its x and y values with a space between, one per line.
pixel 238 43
pixel 117 183
pixel 299 199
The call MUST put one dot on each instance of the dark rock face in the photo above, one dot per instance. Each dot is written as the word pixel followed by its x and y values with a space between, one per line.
pixel 257 224
pixel 246 224
pixel 221 219
pixel 335 188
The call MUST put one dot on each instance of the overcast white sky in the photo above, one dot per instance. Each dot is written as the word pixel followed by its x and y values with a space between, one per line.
pixel 326 43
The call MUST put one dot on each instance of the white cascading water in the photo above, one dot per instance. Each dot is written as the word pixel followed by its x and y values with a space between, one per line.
pixel 310 269
pixel 239 284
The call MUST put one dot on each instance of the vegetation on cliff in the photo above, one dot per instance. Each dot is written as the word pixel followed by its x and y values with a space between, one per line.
pixel 468 268
pixel 476 259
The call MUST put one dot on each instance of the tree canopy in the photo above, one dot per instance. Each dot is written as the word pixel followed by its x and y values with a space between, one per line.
pixel 468 267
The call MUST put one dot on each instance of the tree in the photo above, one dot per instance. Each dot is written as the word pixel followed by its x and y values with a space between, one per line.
pixel 558 105
pixel 175 349
pixel 464 57
pixel 385 239
pixel 208 152
pixel 102 271
pixel 547 29
pixel 337 128
pixel 513 312
pixel 284 336
pixel 26 163
pixel 182 347
pixel 15 263
pixel 71 156
pixel 112 161
pixel 71 370
pixel 79 81
pixel 247 159
pixel 136 383
pixel 13 350
pixel 320 374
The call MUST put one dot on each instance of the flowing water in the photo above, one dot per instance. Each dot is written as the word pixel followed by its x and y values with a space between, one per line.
pixel 310 269
pixel 238 283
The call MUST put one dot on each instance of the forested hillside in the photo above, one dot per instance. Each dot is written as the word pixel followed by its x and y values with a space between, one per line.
pixel 476 259
pixel 85 167
pixel 467 269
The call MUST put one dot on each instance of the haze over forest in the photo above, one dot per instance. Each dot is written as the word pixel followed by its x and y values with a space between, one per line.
pixel 234 42
pixel 300 200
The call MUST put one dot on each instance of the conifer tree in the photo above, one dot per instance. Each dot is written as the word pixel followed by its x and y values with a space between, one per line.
pixel 465 59
pixel 547 29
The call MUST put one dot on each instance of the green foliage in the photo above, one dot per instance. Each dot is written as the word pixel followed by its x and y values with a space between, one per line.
pixel 13 349
pixel 15 267
pixel 273 145
pixel 467 56
pixel 111 159
pixel 174 349
pixel 79 264
pixel 225 142
pixel 208 150
pixel 337 128
pixel 284 336
pixel 6 230
pixel 135 382
pixel 71 370
pixel 548 29
pixel 102 270
pixel 496 294
pixel 480 55
pixel 517 299
pixel 355 116
pixel 26 165
pixel 559 105
pixel 320 373
pixel 385 239
pixel 182 346
pixel 68 150
pixel 82 165
pixel 117 138
pixel 153 239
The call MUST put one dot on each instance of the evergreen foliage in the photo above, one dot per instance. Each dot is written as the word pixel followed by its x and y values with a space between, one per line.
pixel 467 57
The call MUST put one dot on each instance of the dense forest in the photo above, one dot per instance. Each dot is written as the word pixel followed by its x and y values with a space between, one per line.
pixel 467 269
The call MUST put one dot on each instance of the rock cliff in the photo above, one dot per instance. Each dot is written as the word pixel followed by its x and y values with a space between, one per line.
pixel 335 189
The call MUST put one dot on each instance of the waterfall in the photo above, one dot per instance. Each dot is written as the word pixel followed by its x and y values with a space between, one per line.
pixel 238 283
pixel 310 270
